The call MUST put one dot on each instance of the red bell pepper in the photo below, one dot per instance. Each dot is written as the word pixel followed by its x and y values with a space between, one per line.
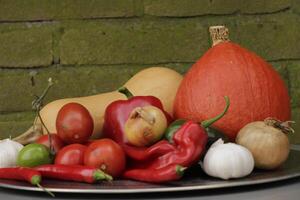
pixel 118 112
pixel 184 149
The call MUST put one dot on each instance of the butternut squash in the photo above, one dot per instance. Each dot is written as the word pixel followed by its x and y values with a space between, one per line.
pixel 157 81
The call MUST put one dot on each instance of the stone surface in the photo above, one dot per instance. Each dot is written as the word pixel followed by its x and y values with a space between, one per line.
pixel 179 8
pixel 35 10
pixel 170 40
pixel 264 6
pixel 272 39
pixel 133 41
pixel 295 137
pixel 294 74
pixel 296 6
pixel 29 47
pixel 13 124
pixel 13 128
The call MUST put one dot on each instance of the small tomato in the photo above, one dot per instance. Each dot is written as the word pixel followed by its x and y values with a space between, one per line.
pixel 57 143
pixel 70 155
pixel 106 155
pixel 74 123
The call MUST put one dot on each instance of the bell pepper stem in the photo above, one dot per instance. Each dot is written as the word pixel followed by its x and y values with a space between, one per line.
pixel 180 170
pixel 208 122
pixel 126 92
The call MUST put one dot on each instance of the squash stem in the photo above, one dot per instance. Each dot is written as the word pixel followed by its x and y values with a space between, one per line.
pixel 208 122
pixel 218 34
pixel 126 92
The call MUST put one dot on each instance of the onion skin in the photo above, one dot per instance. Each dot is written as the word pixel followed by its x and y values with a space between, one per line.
pixel 269 146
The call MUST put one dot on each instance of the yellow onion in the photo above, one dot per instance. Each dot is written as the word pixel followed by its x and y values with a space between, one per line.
pixel 145 126
pixel 267 141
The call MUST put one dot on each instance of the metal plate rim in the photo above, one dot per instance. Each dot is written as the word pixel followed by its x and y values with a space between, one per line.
pixel 151 190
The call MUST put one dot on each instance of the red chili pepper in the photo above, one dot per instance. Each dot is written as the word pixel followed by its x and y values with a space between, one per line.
pixel 73 173
pixel 187 145
pixel 118 112
pixel 168 173
pixel 24 174
pixel 21 173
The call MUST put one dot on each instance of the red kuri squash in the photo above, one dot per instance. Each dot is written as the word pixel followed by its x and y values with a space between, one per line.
pixel 255 89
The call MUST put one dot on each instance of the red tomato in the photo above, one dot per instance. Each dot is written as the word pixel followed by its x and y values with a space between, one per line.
pixel 57 143
pixel 106 155
pixel 74 123
pixel 71 155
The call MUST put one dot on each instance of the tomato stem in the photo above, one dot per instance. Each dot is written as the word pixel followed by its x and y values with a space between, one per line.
pixel 37 105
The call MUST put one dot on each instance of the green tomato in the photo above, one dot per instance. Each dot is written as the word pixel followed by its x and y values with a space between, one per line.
pixel 34 155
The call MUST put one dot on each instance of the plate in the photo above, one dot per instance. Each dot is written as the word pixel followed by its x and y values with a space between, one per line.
pixel 194 179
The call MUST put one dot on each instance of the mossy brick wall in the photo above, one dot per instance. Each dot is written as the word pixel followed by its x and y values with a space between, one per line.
pixel 94 46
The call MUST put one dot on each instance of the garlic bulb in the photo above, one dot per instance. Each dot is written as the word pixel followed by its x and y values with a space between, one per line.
pixel 228 160
pixel 9 151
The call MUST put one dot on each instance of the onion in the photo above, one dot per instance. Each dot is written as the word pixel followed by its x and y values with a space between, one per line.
pixel 145 126
pixel 268 142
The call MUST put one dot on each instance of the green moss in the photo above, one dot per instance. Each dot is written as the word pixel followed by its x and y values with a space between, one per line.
pixel 133 41
pixel 13 128
pixel 264 6
pixel 295 137
pixel 26 47
pixel 17 116
pixel 32 10
pixel 178 8
pixel 294 74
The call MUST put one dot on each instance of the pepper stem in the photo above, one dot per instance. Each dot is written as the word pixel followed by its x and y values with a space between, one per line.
pixel 218 34
pixel 180 170
pixel 208 122
pixel 126 92
pixel 100 175
pixel 35 180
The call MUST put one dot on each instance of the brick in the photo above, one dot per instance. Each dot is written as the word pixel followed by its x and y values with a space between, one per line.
pixel 179 8
pixel 13 129
pixel 17 116
pixel 70 82
pixel 295 137
pixel 28 47
pixel 133 41
pixel 294 74
pixel 175 40
pixel 33 10
pixel 296 6
pixel 264 6
pixel 272 39
pixel 13 124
